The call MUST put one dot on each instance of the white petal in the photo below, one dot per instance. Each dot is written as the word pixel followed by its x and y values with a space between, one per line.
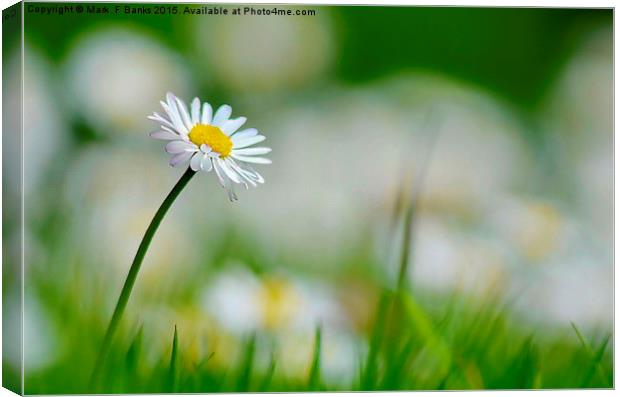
pixel 233 125
pixel 196 111
pixel 257 177
pixel 207 113
pixel 220 177
pixel 249 159
pixel 247 168
pixel 184 114
pixel 171 114
pixel 175 147
pixel 163 121
pixel 170 105
pixel 245 133
pixel 228 171
pixel 180 158
pixel 164 135
pixel 194 163
pixel 246 141
pixel 240 171
pixel 222 115
pixel 218 166
pixel 180 135
pixel 253 151
pixel 171 108
pixel 251 173
pixel 205 163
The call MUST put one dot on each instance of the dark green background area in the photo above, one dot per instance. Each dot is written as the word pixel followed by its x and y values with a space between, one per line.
pixel 513 52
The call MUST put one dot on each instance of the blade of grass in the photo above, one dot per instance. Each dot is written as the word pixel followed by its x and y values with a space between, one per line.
pixel 264 386
pixel 172 370
pixel 369 377
pixel 192 381
pixel 356 382
pixel 580 337
pixel 595 359
pixel 393 379
pixel 472 375
pixel 412 206
pixel 406 247
pixel 133 382
pixel 434 348
pixel 131 358
pixel 204 361
pixel 521 369
pixel 421 322
pixel 596 364
pixel 443 382
pixel 314 378
pixel 245 373
pixel 525 367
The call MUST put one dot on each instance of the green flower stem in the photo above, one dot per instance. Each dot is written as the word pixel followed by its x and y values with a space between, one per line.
pixel 135 268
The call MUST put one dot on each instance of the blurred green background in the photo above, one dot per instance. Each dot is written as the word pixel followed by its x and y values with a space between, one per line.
pixel 492 125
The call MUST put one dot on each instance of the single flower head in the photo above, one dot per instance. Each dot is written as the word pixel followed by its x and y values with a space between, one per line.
pixel 211 142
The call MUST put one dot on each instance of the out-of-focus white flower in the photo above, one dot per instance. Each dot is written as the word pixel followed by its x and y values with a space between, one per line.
pixel 595 175
pixel 211 141
pixel 580 118
pixel 40 343
pixel 572 281
pixel 477 157
pixel 446 259
pixel 258 54
pixel 115 75
pixel 231 300
pixel 340 357
pixel 536 229
pixel 576 283
pixel 475 152
pixel 12 329
pixel 44 130
pixel 573 288
pixel 12 134
pixel 241 302
pixel 582 102
pixel 331 191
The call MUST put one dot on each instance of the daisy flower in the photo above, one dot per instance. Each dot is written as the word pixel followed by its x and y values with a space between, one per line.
pixel 211 141
pixel 208 142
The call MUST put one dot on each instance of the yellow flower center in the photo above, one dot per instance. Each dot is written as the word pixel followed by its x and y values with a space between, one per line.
pixel 278 302
pixel 212 136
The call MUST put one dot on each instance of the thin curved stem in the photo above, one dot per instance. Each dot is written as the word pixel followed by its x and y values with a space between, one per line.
pixel 134 269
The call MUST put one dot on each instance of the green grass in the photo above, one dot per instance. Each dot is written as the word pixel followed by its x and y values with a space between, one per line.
pixel 172 373
pixel 415 340
pixel 409 348
pixel 314 379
